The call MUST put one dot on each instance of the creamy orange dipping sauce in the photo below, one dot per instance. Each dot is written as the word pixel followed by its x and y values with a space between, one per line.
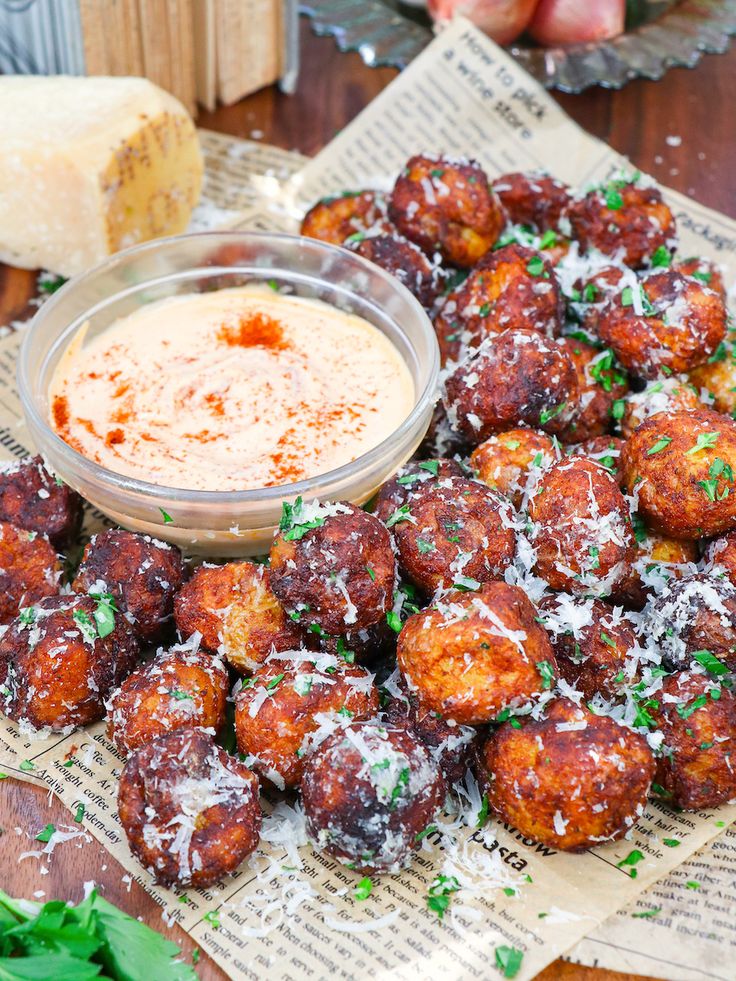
pixel 231 390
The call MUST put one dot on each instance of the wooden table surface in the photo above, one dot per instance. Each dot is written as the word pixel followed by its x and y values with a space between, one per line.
pixel 679 129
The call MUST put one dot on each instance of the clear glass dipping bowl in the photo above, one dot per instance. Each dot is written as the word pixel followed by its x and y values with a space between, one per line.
pixel 224 523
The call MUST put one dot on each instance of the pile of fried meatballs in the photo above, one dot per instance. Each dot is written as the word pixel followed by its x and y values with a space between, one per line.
pixel 543 599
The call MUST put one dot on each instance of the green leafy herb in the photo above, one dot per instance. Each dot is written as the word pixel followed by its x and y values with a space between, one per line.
pixel 618 408
pixel 438 895
pixel 46 834
pixel 710 662
pixel 27 765
pixel 427 831
pixel 547 674
pixel 213 918
pixel 48 284
pixel 546 414
pixel 692 884
pixel 508 960
pixel 607 639
pixel 79 814
pixel 27 615
pixel 371 572
pixel 363 889
pixel 535 266
pixel 293 525
pixel 431 466
pixel 400 514
pixel 647 914
pixel 632 859
pixel 424 546
pixel 671 842
pixel 344 652
pixel 274 682
pixel 181 696
pixel 394 621
pixel 661 258
pixel 660 445
pixel 104 614
pixel 86 625
pixel 402 781
pixel 705 441
pixel 483 812
pixel 686 710
pixel 166 516
pixel 465 584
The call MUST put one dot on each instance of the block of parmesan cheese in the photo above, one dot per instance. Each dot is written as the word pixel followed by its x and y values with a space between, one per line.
pixel 89 166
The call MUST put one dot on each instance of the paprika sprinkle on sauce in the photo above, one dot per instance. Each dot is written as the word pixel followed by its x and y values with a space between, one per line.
pixel 231 390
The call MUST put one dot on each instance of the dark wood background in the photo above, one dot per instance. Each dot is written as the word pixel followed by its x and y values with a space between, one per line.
pixel 694 106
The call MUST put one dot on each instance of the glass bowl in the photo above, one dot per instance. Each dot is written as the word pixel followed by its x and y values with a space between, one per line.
pixel 224 523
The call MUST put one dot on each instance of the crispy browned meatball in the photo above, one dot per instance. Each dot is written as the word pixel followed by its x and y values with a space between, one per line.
pixel 450 745
pixel 662 395
pixel 32 498
pixel 446 206
pixel 63 656
pixel 140 572
pixel 413 479
pixel 332 566
pixel 470 656
pixel 693 614
pixel 721 556
pixel 658 560
pixel 718 375
pixel 605 450
pixel 512 462
pixel 368 792
pixel 534 199
pixel 290 706
pixel 235 610
pixel 697 716
pixel 179 688
pixel 189 810
pixel 29 569
pixel 571 781
pixel 353 213
pixel 459 533
pixel 581 528
pixel 624 221
pixel 511 287
pixel 667 323
pixel 515 378
pixel 594 644
pixel 704 271
pixel 600 382
pixel 403 259
pixel 681 464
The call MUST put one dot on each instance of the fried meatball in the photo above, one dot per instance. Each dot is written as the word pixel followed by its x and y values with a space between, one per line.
pixel 693 614
pixel 535 199
pixel 581 528
pixel 32 498
pixel 459 532
pixel 704 271
pixel 446 206
pixel 718 376
pixel 178 689
pixel 697 717
pixel 63 656
pixel 571 780
pixel 662 395
pixel 511 287
pixel 512 462
pixel 140 572
pixel 29 569
pixel 658 560
pixel 666 323
pixel 411 480
pixel 333 567
pixel 605 450
pixel 406 262
pixel 353 213
pixel 290 706
pixel 235 610
pixel 368 792
pixel 600 383
pixel 681 464
pixel 450 745
pixel 624 221
pixel 721 556
pixel 470 656
pixel 594 644
pixel 515 378
pixel 189 810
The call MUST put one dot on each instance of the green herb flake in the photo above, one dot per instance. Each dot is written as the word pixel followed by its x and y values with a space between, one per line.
pixel 424 546
pixel 465 584
pixel 402 782
pixel 394 621
pixel 512 444
pixel 213 918
pixel 431 466
pixel 547 674
pixel 535 266
pixel 427 831
pixel 661 258
pixel 631 860
pixel 438 895
pixel 618 408
pixel 181 696
pixel 705 441
pixel 371 572
pixel 293 525
pixel 710 662
pixel 26 765
pixel 660 445
pixel 614 201
pixel 483 812
pixel 46 834
pixel 547 414
pixel 647 914
pixel 692 884
pixel 671 842
pixel 363 889
pixel 104 614
pixel 400 514
pixel 79 814
pixel 685 711
pixel 508 960
pixel 274 682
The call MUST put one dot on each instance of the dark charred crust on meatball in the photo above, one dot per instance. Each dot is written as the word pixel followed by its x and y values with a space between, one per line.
pixel 32 498
pixel 601 381
pixel 412 480
pixel 535 200
pixel 604 450
pixel 353 213
pixel 406 262
pixel 30 569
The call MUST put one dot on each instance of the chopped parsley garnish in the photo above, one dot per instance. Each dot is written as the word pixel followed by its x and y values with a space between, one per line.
pixel 438 896
pixel 660 445
pixel 400 514
pixel 371 572
pixel 508 960
pixel 647 914
pixel 394 621
pixel 166 516
pixel 465 584
pixel 79 813
pixel 671 842
pixel 401 783
pixel 546 414
pixel 27 615
pixel 293 525
pixel 213 918
pixel 618 408
pixel 431 466
pixel 607 639
pixel 274 682
pixel 685 711
pixel 705 441
pixel 344 652
pixel 181 696
pixel 601 370
pixel 710 662
pixel 50 284
pixel 692 884
pixel 363 889
pixel 661 258
pixel 484 309
pixel 594 553
pixel 46 834
pixel 632 859
pixel 483 812
pixel 346 713
pixel 27 765
pixel 427 831
pixel 104 614
pixel 547 674
pixel 424 546
pixel 535 266
pixel 86 626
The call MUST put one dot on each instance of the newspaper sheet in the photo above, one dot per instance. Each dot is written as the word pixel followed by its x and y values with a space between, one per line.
pixel 290 912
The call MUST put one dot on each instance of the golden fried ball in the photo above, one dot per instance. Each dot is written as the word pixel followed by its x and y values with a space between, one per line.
pixel 58 664
pixel 353 213
pixel 446 206
pixel 472 655
pixel 658 560
pixel 581 528
pixel 511 462
pixel 334 571
pixel 718 375
pixel 604 450
pixel 368 793
pixel 179 688
pixel 29 569
pixel 510 287
pixel 33 498
pixel 572 780
pixel 697 765
pixel 624 221
pixel 405 261
pixel 140 572
pixel 518 378
pixel 666 323
pixel 290 706
pixel 600 383
pixel 663 395
pixel 681 465
pixel 704 271
pixel 412 479
pixel 536 200
pixel 694 614
pixel 235 610
pixel 459 532
pixel 190 811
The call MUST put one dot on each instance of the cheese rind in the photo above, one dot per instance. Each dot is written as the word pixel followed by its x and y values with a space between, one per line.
pixel 89 166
